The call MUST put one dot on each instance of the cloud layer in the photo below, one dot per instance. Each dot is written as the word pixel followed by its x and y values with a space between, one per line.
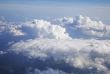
pixel 67 28
pixel 63 28
pixel 78 53
pixel 79 42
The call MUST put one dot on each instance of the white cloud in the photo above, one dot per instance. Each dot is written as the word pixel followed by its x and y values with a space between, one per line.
pixel 45 29
pixel 14 30
pixel 83 25
pixel 78 53
pixel 68 27
pixel 63 28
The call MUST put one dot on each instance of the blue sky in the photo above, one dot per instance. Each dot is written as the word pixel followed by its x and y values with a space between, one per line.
pixel 57 1
pixel 54 2
pixel 18 9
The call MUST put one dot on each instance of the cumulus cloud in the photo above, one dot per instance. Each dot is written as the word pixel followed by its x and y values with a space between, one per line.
pixel 70 27
pixel 14 30
pixel 78 53
pixel 91 27
pixel 87 27
pixel 63 28
pixel 46 29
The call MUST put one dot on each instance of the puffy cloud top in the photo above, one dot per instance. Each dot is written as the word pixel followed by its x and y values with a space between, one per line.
pixel 47 30
pixel 91 28
pixel 63 28
pixel 68 27
pixel 85 27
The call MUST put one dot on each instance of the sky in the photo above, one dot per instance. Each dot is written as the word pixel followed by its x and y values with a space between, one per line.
pixel 20 9
pixel 56 1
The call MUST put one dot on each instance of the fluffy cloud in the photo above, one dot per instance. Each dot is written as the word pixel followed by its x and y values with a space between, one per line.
pixel 86 27
pixel 78 53
pixel 70 27
pixel 14 30
pixel 63 28
pixel 45 29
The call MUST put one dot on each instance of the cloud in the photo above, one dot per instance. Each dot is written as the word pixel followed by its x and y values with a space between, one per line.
pixel 14 29
pixel 83 26
pixel 70 27
pixel 48 71
pixel 10 28
pixel 45 29
pixel 2 52
pixel 2 26
pixel 78 53
pixel 63 28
